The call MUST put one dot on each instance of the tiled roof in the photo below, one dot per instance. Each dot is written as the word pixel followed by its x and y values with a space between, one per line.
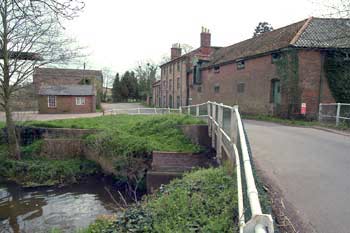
pixel 263 43
pixel 71 90
pixel 325 33
pixel 309 33
pixel 67 73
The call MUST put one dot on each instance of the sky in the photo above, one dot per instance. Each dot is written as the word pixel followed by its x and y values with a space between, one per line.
pixel 118 34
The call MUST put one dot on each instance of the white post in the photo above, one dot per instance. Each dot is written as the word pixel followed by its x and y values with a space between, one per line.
pixel 155 111
pixel 213 135
pixel 188 110
pixel 209 121
pixel 168 110
pixel 138 111
pixel 320 113
pixel 233 126
pixel 180 110
pixel 197 110
pixel 338 114
pixel 219 141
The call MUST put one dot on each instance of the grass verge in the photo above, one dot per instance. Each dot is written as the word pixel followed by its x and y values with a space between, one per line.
pixel 202 201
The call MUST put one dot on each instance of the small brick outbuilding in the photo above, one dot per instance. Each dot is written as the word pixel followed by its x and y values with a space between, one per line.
pixel 67 99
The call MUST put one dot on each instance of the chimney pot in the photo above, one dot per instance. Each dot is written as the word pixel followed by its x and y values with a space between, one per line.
pixel 205 38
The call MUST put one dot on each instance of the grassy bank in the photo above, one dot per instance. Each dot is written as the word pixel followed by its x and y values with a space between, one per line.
pixel 203 201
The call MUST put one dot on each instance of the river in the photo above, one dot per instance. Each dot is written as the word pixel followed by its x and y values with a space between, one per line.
pixel 42 209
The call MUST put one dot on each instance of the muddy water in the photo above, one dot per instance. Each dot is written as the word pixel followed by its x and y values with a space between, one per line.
pixel 42 209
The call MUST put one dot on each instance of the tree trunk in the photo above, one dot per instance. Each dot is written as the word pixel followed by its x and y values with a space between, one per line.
pixel 13 145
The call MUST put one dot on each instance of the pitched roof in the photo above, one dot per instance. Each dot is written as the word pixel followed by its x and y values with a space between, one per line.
pixel 325 33
pixel 67 90
pixel 263 43
pixel 310 33
pixel 67 73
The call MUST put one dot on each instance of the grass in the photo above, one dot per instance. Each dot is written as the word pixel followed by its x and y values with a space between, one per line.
pixel 154 132
pixel 202 201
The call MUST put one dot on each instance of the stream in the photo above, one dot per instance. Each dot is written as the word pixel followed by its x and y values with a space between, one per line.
pixel 43 209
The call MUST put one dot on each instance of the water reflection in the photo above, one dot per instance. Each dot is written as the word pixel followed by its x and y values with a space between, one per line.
pixel 41 209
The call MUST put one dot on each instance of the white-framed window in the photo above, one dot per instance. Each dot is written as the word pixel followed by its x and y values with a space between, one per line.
pixel 51 101
pixel 79 100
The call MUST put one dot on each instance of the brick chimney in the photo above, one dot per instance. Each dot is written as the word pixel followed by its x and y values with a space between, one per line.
pixel 175 51
pixel 205 38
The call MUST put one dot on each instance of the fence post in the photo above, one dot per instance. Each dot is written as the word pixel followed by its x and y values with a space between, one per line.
pixel 233 126
pixel 168 110
pixel 138 111
pixel 213 134
pixel 180 110
pixel 338 114
pixel 197 110
pixel 219 141
pixel 189 110
pixel 209 120
pixel 320 113
pixel 155 110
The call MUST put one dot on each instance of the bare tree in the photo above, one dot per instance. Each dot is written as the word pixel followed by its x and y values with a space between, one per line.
pixel 333 8
pixel 31 36
pixel 186 48
pixel 146 73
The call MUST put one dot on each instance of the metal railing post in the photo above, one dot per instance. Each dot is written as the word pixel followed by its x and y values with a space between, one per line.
pixel 168 110
pixel 213 134
pixel 219 138
pixel 320 113
pixel 233 135
pixel 189 110
pixel 209 120
pixel 180 110
pixel 338 114
pixel 197 110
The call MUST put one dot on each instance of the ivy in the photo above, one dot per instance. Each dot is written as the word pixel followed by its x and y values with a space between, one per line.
pixel 287 69
pixel 337 70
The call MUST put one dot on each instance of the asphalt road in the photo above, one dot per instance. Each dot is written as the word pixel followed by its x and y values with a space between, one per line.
pixel 29 116
pixel 311 167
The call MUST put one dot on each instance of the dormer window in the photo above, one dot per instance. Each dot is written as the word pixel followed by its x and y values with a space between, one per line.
pixel 275 57
pixel 216 69
pixel 240 64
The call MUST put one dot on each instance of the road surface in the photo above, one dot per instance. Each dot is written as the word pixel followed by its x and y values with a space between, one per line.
pixel 30 116
pixel 311 167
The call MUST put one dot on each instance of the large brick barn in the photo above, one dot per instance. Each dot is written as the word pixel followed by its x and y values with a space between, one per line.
pixel 67 90
pixel 273 73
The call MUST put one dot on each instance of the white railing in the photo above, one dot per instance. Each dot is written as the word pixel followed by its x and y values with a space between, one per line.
pixel 330 112
pixel 140 111
pixel 228 138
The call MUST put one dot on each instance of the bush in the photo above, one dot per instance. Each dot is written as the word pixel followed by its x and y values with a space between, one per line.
pixel 43 172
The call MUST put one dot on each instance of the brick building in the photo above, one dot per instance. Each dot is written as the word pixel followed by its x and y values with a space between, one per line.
pixel 67 90
pixel 273 73
pixel 174 86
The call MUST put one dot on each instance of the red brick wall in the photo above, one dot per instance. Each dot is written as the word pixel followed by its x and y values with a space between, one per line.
pixel 310 74
pixel 66 104
pixel 256 76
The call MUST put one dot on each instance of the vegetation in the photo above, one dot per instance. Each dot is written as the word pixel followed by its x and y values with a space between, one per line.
pixel 262 28
pixel 202 201
pixel 135 131
pixel 31 172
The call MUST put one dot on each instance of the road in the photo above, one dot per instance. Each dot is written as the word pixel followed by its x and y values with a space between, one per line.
pixel 311 167
pixel 29 116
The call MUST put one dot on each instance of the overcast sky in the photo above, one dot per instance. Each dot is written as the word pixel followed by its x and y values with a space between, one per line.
pixel 118 34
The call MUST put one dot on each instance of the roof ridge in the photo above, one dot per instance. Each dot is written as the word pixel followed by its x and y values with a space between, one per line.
pixel 302 29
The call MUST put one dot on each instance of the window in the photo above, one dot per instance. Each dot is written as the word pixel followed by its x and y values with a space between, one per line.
pixel 240 64
pixel 178 101
pixel 170 81
pixel 79 100
pixel 275 57
pixel 216 69
pixel 178 66
pixel 216 88
pixel 51 101
pixel 170 69
pixel 240 87
pixel 197 78
pixel 178 83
